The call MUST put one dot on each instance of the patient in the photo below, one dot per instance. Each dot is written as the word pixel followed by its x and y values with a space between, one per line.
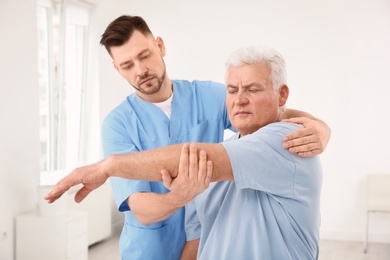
pixel 269 207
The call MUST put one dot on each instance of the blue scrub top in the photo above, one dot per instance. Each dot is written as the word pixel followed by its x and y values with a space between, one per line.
pixel 198 115
pixel 270 211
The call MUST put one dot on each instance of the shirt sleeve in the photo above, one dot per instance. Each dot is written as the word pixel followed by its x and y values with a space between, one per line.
pixel 192 224
pixel 259 161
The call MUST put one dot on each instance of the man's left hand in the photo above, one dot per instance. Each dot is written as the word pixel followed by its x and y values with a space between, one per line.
pixel 311 140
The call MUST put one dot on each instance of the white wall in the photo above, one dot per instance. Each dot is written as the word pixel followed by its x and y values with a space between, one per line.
pixel 19 116
pixel 338 64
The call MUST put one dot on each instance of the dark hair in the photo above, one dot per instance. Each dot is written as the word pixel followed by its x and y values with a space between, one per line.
pixel 120 30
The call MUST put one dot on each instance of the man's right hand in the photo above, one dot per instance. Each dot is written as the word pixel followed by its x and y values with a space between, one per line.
pixel 91 177
pixel 193 176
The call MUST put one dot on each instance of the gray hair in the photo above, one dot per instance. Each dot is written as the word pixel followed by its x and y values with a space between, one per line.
pixel 260 54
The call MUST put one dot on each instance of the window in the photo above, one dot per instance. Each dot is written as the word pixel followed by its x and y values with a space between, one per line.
pixel 62 34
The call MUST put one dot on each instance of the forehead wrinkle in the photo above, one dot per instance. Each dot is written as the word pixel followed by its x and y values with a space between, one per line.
pixel 245 86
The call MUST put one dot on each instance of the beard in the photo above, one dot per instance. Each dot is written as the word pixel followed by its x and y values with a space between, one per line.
pixel 154 83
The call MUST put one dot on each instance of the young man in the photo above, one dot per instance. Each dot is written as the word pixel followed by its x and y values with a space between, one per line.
pixel 163 112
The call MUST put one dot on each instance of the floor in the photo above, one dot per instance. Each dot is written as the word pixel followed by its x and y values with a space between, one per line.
pixel 329 250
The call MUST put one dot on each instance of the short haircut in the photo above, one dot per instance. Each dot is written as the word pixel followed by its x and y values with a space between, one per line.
pixel 119 31
pixel 260 55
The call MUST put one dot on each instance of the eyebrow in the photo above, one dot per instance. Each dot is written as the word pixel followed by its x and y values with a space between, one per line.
pixel 125 63
pixel 138 55
pixel 253 84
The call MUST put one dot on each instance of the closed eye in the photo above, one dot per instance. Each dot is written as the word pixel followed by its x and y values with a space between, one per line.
pixel 143 55
pixel 128 67
pixel 232 90
pixel 253 90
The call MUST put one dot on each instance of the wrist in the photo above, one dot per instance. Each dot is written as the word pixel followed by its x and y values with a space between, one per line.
pixel 107 165
pixel 176 200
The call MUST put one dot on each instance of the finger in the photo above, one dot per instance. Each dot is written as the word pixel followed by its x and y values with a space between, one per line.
pixel 310 153
pixel 193 167
pixel 298 134
pixel 304 148
pixel 51 198
pixel 209 172
pixel 183 163
pixel 57 191
pixel 202 171
pixel 81 194
pixel 167 179
pixel 298 141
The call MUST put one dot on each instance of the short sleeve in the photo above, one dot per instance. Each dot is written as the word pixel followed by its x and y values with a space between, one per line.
pixel 192 224
pixel 260 162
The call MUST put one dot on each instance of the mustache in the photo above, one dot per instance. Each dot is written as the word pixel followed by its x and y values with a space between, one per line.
pixel 144 76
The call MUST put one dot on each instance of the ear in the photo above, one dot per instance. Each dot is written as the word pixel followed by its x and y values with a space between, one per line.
pixel 283 95
pixel 160 44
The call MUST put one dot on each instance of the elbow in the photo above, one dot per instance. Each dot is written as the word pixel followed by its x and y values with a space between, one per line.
pixel 144 221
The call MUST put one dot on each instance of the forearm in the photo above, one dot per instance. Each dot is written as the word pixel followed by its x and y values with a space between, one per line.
pixel 150 207
pixel 190 251
pixel 147 165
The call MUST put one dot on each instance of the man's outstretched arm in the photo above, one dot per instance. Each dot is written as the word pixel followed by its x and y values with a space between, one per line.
pixel 145 165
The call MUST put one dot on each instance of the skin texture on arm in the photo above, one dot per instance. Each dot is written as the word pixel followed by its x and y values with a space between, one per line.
pixel 193 179
pixel 145 165
pixel 149 207
pixel 312 139
pixel 190 250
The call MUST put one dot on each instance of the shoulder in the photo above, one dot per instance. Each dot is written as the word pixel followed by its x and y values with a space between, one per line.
pixel 282 128
pixel 122 110
pixel 199 84
pixel 270 136
pixel 205 90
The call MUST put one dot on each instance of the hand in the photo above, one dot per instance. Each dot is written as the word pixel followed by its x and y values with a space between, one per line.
pixel 310 140
pixel 90 176
pixel 193 176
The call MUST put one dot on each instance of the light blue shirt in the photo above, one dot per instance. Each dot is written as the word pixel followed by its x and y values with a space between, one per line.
pixel 270 211
pixel 198 114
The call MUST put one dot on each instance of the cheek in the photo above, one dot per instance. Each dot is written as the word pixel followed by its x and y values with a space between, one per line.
pixel 128 75
pixel 263 106
pixel 229 105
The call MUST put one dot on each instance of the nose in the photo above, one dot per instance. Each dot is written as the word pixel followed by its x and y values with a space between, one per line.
pixel 241 98
pixel 141 70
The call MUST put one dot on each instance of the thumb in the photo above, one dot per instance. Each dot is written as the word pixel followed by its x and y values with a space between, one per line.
pixel 166 178
pixel 81 194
